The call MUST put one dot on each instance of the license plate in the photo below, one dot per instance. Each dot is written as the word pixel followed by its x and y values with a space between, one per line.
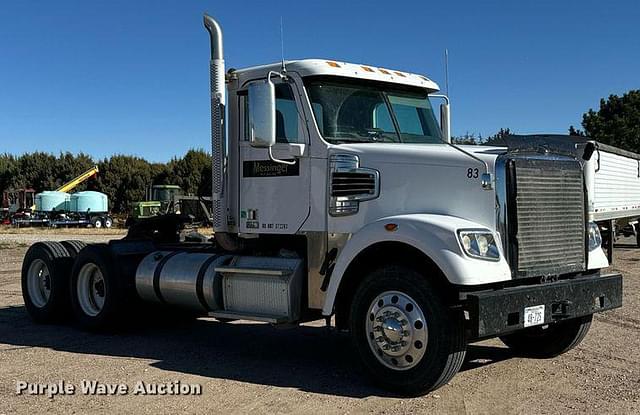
pixel 533 316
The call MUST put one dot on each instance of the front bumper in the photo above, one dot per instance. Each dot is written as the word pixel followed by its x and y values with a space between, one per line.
pixel 498 312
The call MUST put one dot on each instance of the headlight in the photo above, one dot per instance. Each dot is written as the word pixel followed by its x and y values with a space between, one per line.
pixel 479 244
pixel 595 239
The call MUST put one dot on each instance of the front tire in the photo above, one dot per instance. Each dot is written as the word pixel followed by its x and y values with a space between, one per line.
pixel 549 341
pixel 407 337
pixel 45 282
pixel 98 294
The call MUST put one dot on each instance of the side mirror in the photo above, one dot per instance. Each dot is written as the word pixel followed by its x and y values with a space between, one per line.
pixel 262 114
pixel 445 121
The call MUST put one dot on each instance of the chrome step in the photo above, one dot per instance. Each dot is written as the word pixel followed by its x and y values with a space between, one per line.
pixel 243 316
pixel 254 271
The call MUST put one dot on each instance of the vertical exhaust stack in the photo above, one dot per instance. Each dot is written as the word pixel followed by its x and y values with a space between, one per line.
pixel 218 103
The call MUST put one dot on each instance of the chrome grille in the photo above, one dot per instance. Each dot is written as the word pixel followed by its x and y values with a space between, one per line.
pixel 353 183
pixel 549 234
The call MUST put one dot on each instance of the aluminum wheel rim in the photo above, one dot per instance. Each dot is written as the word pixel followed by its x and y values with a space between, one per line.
pixel 39 283
pixel 396 330
pixel 108 223
pixel 91 289
pixel 97 224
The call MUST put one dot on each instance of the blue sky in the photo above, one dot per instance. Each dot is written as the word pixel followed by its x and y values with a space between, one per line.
pixel 131 77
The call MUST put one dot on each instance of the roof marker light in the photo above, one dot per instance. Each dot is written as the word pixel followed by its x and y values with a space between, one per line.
pixel 384 71
pixel 366 68
pixel 399 74
pixel 333 64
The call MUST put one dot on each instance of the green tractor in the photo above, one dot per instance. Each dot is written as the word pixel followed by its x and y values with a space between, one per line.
pixel 160 200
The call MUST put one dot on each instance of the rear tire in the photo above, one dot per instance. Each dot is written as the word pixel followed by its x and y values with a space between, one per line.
pixel 98 293
pixel 73 247
pixel 108 222
pixel 45 282
pixel 554 340
pixel 409 340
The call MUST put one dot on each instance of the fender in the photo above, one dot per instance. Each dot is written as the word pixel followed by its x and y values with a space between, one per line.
pixel 435 236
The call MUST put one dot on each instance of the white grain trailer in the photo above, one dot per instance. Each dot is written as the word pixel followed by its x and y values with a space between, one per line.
pixel 612 177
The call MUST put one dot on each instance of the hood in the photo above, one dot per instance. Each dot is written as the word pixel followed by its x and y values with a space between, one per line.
pixel 440 154
pixel 425 178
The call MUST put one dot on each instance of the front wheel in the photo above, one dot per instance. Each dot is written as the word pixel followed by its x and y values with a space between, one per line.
pixel 407 337
pixel 551 340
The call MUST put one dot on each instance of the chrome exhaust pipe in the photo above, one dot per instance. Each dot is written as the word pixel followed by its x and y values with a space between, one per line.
pixel 218 103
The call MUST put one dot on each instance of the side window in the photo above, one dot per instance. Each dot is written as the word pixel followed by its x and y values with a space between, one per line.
pixel 382 118
pixel 408 119
pixel 286 115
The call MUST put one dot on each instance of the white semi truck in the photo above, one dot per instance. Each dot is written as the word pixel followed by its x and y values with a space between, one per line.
pixel 338 194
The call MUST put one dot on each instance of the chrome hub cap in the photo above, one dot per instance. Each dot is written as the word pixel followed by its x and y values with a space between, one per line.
pixel 396 330
pixel 91 289
pixel 39 283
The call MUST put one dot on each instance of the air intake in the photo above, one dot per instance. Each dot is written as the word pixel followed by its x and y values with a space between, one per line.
pixel 351 184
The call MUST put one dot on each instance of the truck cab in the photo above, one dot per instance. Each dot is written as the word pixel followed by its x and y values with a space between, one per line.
pixel 338 194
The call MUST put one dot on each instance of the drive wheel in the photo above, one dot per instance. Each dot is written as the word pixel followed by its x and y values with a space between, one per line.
pixel 108 222
pixel 73 247
pixel 407 338
pixel 98 295
pixel 45 281
pixel 550 340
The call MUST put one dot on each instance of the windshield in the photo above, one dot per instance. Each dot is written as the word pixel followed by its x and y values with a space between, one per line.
pixel 348 110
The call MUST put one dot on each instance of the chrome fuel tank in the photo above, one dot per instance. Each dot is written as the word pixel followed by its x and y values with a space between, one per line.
pixel 185 279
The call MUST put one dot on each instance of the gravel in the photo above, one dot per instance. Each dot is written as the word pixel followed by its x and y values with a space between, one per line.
pixel 248 367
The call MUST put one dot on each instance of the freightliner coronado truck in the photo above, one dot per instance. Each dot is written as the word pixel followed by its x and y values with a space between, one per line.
pixel 337 194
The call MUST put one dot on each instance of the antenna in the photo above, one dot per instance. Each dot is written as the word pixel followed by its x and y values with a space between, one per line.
pixel 284 68
pixel 446 72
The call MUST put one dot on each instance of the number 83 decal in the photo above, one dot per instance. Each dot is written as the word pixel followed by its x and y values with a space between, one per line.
pixel 472 173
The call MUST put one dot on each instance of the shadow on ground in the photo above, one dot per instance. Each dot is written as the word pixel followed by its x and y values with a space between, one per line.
pixel 310 359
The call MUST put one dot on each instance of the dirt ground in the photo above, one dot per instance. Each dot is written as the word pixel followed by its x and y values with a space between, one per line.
pixel 247 367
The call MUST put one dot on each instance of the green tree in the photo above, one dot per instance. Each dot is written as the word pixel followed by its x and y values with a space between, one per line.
pixel 575 132
pixel 191 172
pixel 124 179
pixel 469 139
pixel 498 136
pixel 617 122
pixel 68 166
pixel 37 170
pixel 9 171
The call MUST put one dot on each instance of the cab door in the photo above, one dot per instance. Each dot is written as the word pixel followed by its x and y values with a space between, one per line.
pixel 274 197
